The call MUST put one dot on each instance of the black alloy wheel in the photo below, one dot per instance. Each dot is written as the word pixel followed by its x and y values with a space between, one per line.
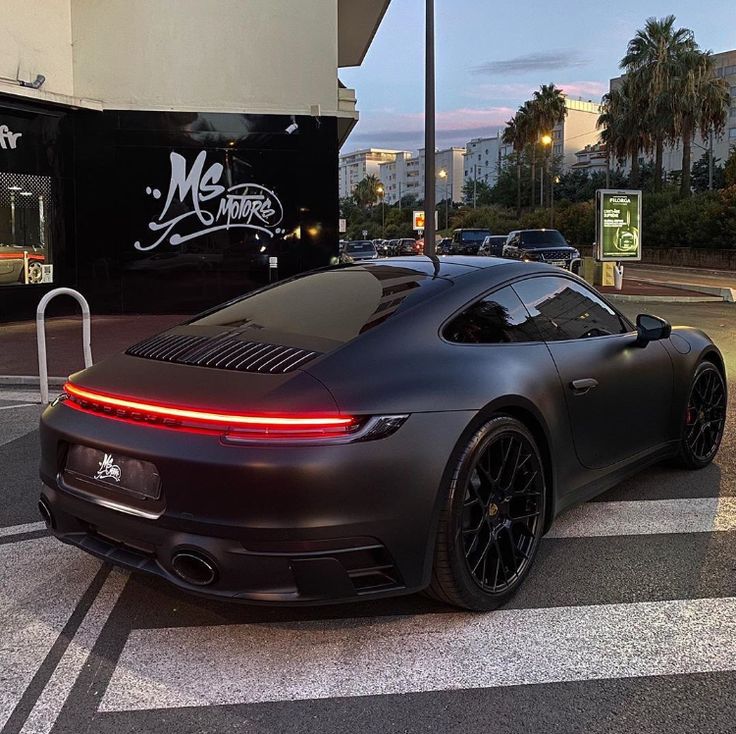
pixel 494 518
pixel 705 417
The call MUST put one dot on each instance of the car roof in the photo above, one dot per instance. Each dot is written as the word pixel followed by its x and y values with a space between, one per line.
pixel 448 267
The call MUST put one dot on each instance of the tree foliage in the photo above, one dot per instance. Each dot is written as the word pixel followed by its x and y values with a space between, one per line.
pixel 367 192
pixel 670 92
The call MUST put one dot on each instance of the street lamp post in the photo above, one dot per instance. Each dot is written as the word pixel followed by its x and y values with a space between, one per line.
pixel 546 142
pixel 429 134
pixel 554 180
pixel 443 175
pixel 381 192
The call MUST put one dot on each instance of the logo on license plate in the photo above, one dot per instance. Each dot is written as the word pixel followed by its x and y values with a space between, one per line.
pixel 108 469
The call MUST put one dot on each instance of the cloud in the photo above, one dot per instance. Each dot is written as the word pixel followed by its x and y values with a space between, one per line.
pixel 538 61
pixel 588 89
pixel 515 94
pixel 406 130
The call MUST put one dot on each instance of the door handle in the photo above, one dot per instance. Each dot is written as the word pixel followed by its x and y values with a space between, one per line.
pixel 584 385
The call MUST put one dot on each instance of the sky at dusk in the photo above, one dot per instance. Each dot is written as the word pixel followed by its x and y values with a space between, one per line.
pixel 492 55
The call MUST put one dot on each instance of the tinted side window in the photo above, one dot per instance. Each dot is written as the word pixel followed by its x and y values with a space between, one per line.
pixel 498 319
pixel 564 309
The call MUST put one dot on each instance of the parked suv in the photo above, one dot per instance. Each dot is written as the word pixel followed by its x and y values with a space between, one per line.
pixel 542 245
pixel 468 241
pixel 493 245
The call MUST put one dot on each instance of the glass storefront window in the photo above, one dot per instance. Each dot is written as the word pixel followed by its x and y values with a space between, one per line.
pixel 26 213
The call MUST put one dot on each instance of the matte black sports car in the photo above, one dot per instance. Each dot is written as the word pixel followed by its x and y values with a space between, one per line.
pixel 372 429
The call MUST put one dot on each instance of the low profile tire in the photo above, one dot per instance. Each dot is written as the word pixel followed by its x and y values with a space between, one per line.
pixel 704 419
pixel 493 518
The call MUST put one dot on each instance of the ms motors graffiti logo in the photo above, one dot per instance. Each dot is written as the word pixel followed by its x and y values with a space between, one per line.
pixel 197 203
pixel 108 469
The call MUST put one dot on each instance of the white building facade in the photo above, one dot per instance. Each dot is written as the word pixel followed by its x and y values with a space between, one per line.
pixel 405 175
pixel 355 166
pixel 483 159
pixel 151 135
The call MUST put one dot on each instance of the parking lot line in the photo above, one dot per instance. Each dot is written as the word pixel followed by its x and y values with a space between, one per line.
pixel 647 517
pixel 30 527
pixel 49 580
pixel 44 713
pixel 251 663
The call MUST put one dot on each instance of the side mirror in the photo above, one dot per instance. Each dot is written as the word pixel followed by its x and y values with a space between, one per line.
pixel 651 329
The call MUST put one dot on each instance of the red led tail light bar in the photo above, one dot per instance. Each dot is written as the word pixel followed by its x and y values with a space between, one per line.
pixel 136 409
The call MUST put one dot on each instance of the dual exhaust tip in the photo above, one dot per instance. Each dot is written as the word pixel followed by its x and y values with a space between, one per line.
pixel 189 565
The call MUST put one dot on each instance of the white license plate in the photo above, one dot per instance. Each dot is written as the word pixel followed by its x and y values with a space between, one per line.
pixel 558 263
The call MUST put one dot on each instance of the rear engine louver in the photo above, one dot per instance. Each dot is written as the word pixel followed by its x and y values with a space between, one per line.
pixel 224 352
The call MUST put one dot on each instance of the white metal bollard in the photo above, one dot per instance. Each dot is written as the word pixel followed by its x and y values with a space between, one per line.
pixel 41 335
pixel 618 276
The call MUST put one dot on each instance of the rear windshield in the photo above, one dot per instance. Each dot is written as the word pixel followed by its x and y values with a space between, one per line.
pixel 360 247
pixel 547 237
pixel 318 310
pixel 474 236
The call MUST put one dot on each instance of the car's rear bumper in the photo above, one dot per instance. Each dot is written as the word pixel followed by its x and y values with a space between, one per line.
pixel 279 524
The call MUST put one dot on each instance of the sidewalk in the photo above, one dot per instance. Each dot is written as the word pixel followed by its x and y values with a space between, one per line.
pixel 110 334
pixel 646 290
pixel 720 283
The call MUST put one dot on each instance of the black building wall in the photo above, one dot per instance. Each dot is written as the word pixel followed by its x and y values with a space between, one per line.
pixel 174 212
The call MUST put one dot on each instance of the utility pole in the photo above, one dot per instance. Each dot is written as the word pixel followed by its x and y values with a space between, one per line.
pixel 429 134
pixel 475 183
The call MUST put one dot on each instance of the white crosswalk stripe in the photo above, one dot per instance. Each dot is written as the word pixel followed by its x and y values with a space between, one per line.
pixel 647 517
pixel 358 657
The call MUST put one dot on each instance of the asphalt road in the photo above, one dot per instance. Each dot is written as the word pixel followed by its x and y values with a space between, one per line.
pixel 627 624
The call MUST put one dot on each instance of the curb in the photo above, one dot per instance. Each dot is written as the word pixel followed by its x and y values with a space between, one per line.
pixel 663 299
pixel 728 295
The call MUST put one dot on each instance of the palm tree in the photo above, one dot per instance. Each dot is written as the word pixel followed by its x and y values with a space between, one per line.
pixel 366 191
pixel 653 58
pixel 551 109
pixel 623 124
pixel 702 104
pixel 515 136
pixel 529 115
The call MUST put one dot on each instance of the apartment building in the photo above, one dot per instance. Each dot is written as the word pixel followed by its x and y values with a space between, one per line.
pixel 156 154
pixel 405 175
pixel 591 159
pixel 483 159
pixel 355 166
pixel 401 177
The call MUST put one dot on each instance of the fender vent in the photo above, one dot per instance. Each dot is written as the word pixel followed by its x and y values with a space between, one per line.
pixel 224 352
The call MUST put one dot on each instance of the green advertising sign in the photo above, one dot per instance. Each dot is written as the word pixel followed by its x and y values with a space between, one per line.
pixel 618 226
